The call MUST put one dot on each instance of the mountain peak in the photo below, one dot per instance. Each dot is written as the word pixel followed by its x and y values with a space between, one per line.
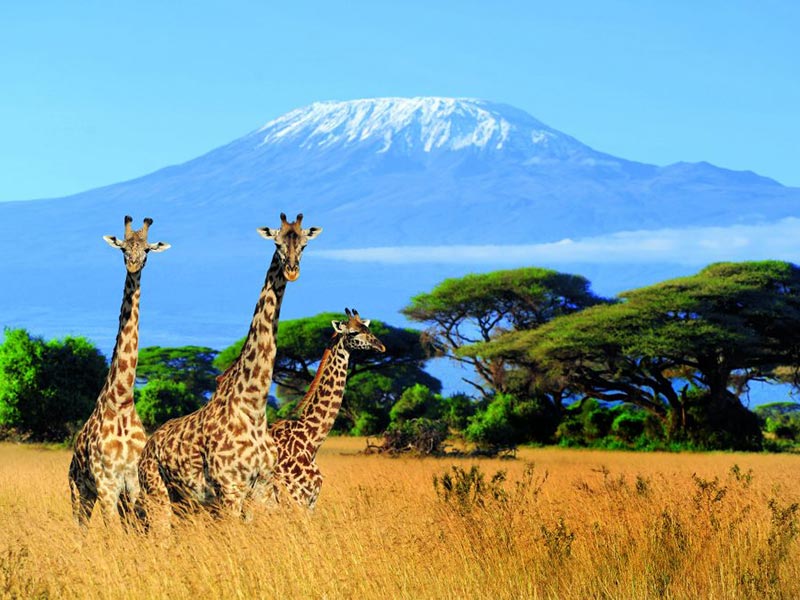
pixel 427 124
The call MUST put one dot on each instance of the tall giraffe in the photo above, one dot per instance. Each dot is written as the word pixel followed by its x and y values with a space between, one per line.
pixel 214 456
pixel 298 440
pixel 108 446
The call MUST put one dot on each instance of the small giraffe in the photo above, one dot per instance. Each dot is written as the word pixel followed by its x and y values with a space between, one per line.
pixel 298 440
pixel 213 456
pixel 107 448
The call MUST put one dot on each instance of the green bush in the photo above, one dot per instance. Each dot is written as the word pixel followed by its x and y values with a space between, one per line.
pixel 367 424
pixel 457 410
pixel 47 389
pixel 162 399
pixel 493 426
pixel 416 402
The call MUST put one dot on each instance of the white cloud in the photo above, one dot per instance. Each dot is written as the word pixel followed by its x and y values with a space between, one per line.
pixel 690 246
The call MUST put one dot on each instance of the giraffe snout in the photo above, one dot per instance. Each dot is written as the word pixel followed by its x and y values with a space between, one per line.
pixel 291 272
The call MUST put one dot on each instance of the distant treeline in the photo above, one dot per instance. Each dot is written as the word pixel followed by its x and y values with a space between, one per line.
pixel 660 367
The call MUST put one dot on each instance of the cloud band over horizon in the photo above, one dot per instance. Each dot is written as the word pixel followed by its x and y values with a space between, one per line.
pixel 691 246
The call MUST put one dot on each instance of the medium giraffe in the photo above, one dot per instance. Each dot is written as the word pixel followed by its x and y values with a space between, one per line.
pixel 107 448
pixel 298 440
pixel 213 456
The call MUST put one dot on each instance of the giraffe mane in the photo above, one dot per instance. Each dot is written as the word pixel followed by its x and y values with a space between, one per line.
pixel 226 373
pixel 315 383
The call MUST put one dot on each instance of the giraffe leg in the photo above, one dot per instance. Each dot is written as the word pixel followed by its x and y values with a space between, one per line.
pixel 230 501
pixel 152 506
pixel 82 494
pixel 263 496
pixel 109 489
pixel 127 502
pixel 108 499
pixel 315 485
pixel 83 499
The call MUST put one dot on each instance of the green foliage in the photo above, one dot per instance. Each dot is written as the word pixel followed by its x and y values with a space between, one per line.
pixel 456 411
pixel 367 424
pixel 47 389
pixel 191 365
pixel 459 312
pixel 492 426
pixel 161 400
pixel 781 420
pixel 596 424
pixel 714 331
pixel 720 423
pixel 416 402
pixel 507 421
pixel 375 392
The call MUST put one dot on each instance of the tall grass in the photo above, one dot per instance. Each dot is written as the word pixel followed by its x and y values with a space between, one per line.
pixel 552 524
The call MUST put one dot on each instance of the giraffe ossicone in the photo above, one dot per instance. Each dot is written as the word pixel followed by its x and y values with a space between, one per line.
pixel 108 446
pixel 213 456
pixel 298 440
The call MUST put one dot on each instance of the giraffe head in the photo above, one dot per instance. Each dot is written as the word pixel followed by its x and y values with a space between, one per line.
pixel 290 241
pixel 135 246
pixel 357 335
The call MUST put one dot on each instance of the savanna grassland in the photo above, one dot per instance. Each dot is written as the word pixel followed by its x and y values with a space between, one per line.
pixel 575 524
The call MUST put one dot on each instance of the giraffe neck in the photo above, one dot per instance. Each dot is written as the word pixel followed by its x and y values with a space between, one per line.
pixel 320 406
pixel 248 380
pixel 118 389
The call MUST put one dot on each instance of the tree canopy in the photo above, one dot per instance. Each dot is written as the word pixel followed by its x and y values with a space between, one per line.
pixel 477 308
pixel 683 349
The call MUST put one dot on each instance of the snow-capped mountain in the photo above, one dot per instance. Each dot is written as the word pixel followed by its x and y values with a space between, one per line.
pixel 420 125
pixel 387 172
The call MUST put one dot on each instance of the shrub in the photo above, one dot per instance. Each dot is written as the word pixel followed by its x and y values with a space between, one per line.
pixel 47 389
pixel 492 426
pixel 423 436
pixel 416 402
pixel 162 399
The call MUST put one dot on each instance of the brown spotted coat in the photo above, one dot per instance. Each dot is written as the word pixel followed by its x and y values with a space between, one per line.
pixel 213 456
pixel 107 448
pixel 298 440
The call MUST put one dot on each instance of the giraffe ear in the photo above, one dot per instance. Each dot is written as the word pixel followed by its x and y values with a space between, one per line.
pixel 113 241
pixel 158 246
pixel 366 322
pixel 267 233
pixel 312 232
pixel 338 326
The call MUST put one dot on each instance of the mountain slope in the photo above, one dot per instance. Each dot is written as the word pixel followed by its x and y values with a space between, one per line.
pixel 377 172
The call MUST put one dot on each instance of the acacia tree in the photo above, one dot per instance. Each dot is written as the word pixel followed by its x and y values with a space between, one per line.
pixel 478 308
pixel 684 349
pixel 375 381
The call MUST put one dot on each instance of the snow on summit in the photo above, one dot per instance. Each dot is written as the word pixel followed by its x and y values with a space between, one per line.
pixel 418 124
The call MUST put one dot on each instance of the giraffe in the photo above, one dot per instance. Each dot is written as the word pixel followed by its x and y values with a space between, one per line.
pixel 213 456
pixel 108 446
pixel 298 440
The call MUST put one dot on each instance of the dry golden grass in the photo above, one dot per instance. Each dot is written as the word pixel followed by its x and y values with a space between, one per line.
pixel 586 525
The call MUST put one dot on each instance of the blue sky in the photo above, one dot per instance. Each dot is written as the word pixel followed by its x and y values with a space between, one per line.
pixel 92 93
